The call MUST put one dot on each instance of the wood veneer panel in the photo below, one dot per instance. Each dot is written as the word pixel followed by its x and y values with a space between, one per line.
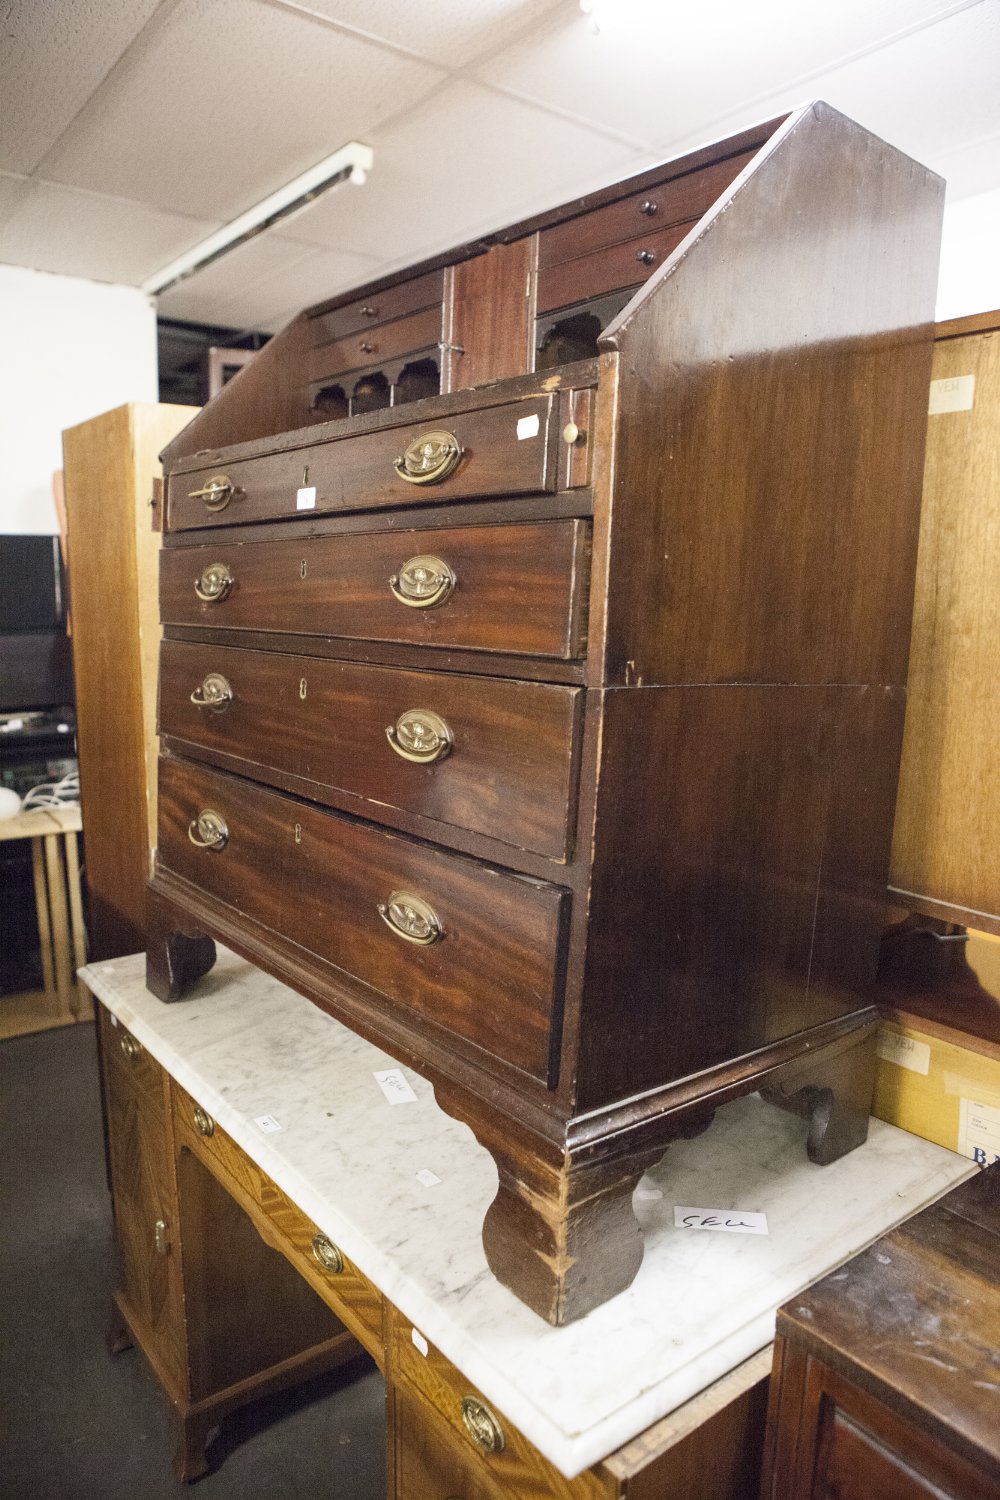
pixel 945 842
pixel 492 315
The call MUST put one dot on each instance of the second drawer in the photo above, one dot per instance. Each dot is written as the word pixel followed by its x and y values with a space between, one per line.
pixel 491 756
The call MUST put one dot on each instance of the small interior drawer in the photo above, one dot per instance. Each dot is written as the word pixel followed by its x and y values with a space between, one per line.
pixel 378 307
pixel 375 346
pixel 608 270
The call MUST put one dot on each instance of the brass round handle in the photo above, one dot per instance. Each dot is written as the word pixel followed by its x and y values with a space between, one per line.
pixel 216 492
pixel 369 312
pixel 208 830
pixel 419 735
pixel 430 458
pixel 482 1425
pixel 203 1122
pixel 327 1255
pixel 214 693
pixel 647 257
pixel 411 918
pixel 422 582
pixel 649 207
pixel 214 583
pixel 130 1047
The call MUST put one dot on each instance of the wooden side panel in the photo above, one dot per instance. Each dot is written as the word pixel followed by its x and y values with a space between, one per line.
pixel 113 554
pixel 945 842
pixel 492 315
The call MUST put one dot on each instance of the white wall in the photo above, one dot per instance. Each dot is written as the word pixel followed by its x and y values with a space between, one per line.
pixel 970 257
pixel 69 349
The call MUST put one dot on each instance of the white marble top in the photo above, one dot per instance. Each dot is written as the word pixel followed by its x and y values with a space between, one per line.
pixel 247 1046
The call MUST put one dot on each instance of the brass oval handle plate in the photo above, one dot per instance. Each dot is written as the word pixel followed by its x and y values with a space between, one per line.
pixel 130 1047
pixel 482 1425
pixel 214 583
pixel 214 693
pixel 326 1254
pixel 645 257
pixel 430 458
pixel 420 735
pixel 216 492
pixel 410 917
pixel 203 1122
pixel 422 582
pixel 208 830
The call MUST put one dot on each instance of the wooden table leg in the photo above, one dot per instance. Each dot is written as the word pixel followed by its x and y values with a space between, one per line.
pixel 79 931
pixel 60 924
pixel 42 916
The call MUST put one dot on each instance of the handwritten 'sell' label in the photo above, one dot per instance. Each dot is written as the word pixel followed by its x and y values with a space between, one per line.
pixel 722 1220
pixel 395 1087
pixel 427 1177
pixel 305 498
pixel 904 1052
pixel 979 1131
pixel 956 393
pixel 267 1123
pixel 419 1342
pixel 527 427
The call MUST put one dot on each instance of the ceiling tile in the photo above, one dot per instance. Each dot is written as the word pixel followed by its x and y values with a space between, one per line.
pixel 53 228
pixel 53 54
pixel 249 287
pixel 448 32
pixel 230 100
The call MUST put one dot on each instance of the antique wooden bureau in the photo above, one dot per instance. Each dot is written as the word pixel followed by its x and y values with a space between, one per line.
pixel 535 637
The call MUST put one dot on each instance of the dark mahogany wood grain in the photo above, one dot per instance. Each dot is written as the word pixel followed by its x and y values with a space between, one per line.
pixel 494 977
pixel 492 316
pixel 608 269
pixel 357 473
pixel 369 312
pixel 519 589
pixel 509 773
pixel 358 350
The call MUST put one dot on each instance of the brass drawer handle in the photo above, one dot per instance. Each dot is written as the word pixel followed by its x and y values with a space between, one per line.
pixel 482 1425
pixel 160 1240
pixel 327 1255
pixel 203 1122
pixel 130 1047
pixel 419 735
pixel 208 830
pixel 214 583
pixel 214 693
pixel 430 458
pixel 410 918
pixel 216 492
pixel 423 582
pixel 646 257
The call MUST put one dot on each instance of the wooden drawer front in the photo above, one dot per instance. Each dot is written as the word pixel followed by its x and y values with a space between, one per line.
pixel 319 879
pixel 348 1291
pixel 357 351
pixel 127 1059
pixel 430 1462
pixel 380 307
pixel 675 201
pixel 507 774
pixel 607 270
pixel 357 473
pixel 517 1468
pixel 518 589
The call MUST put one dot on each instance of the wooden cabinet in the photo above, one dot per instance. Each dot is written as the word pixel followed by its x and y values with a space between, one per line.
pixel 658 882
pixel 884 1377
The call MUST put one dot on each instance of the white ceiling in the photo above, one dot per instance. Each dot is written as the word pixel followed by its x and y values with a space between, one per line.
pixel 130 129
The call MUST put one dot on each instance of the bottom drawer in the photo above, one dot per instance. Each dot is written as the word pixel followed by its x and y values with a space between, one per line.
pixel 428 1462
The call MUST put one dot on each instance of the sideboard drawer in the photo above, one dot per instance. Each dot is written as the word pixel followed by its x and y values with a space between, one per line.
pixel 127 1058
pixel 473 949
pixel 367 312
pixel 485 754
pixel 494 450
pixel 514 589
pixel 608 270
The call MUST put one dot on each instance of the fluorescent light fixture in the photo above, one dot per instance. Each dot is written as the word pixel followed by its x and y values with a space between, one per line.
pixel 352 162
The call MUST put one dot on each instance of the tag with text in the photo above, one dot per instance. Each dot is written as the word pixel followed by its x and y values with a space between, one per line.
pixel 955 393
pixel 722 1220
pixel 395 1087
pixel 305 498
pixel 904 1051
pixel 267 1123
pixel 979 1131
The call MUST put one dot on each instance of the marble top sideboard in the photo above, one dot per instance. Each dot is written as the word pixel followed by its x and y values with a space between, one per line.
pixel 403 1189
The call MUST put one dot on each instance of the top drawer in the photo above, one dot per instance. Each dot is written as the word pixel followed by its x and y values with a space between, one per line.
pixel 380 307
pixel 497 450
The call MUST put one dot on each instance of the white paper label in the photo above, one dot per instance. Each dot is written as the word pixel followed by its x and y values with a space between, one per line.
pixel 427 1177
pixel 395 1087
pixel 954 394
pixel 419 1342
pixel 267 1123
pixel 722 1220
pixel 904 1052
pixel 527 427
pixel 305 498
pixel 114 1020
pixel 647 1195
pixel 979 1131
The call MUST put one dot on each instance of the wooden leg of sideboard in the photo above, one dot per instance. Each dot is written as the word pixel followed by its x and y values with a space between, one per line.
pixel 834 1092
pixel 175 956
pixel 189 1461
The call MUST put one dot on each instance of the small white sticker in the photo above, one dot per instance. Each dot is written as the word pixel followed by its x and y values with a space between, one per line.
pixel 722 1220
pixel 527 427
pixel 267 1123
pixel 979 1131
pixel 395 1087
pixel 305 498
pixel 419 1342
pixel 954 394
pixel 904 1052
pixel 427 1177
pixel 647 1195
pixel 114 1020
